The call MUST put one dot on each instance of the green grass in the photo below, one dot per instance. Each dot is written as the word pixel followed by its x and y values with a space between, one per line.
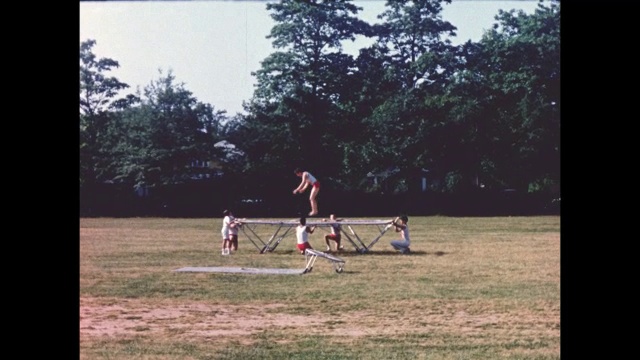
pixel 473 288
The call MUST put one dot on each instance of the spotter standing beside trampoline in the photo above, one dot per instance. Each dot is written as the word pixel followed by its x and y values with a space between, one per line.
pixel 229 232
pixel 308 179
pixel 233 233
pixel 226 223
pixel 302 235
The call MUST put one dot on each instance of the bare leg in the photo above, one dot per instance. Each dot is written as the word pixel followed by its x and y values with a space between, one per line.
pixel 312 200
pixel 225 247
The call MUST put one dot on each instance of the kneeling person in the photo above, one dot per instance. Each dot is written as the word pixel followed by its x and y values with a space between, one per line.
pixel 400 224
pixel 336 233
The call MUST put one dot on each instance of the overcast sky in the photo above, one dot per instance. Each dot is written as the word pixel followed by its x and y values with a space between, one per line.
pixel 213 46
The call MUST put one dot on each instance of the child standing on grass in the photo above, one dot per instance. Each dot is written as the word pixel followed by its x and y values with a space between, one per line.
pixel 233 233
pixel 302 235
pixel 226 233
pixel 400 224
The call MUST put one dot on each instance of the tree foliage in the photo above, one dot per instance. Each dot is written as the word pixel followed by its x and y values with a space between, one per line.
pixel 166 135
pixel 517 68
pixel 412 49
pixel 297 115
pixel 97 90
pixel 481 114
pixel 98 93
pixel 143 140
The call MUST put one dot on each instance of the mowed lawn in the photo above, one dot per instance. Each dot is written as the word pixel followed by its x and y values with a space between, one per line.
pixel 472 288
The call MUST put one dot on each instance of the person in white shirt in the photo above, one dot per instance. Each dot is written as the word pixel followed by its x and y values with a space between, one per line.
pixel 302 235
pixel 308 180
pixel 226 227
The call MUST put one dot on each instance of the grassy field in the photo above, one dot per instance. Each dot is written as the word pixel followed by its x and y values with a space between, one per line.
pixel 472 288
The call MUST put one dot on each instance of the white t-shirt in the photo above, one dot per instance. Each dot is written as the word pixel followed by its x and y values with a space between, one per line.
pixel 310 178
pixel 225 226
pixel 301 234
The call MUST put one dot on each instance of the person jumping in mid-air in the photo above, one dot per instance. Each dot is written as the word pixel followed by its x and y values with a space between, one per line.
pixel 308 179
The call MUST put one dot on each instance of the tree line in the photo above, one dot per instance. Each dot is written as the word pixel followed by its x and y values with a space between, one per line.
pixel 480 115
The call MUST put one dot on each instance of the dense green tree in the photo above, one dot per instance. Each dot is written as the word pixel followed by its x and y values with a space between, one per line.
pixel 309 36
pixel 479 114
pixel 515 69
pixel 411 30
pixel 297 114
pixel 415 61
pixel 98 99
pixel 369 86
pixel 162 139
pixel 485 114
pixel 97 90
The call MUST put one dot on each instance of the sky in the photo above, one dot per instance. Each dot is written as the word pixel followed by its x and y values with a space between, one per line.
pixel 213 46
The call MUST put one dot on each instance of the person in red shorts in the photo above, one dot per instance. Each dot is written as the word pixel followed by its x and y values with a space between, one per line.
pixel 308 179
pixel 336 232
pixel 302 235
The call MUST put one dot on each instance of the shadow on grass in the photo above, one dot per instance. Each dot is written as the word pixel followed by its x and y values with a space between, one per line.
pixel 344 272
pixel 393 253
pixel 347 253
pixel 349 272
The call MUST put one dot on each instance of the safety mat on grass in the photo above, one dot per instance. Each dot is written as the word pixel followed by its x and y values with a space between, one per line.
pixel 242 270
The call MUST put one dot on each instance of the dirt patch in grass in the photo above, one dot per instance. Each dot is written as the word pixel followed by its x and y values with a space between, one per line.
pixel 186 320
pixel 103 318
